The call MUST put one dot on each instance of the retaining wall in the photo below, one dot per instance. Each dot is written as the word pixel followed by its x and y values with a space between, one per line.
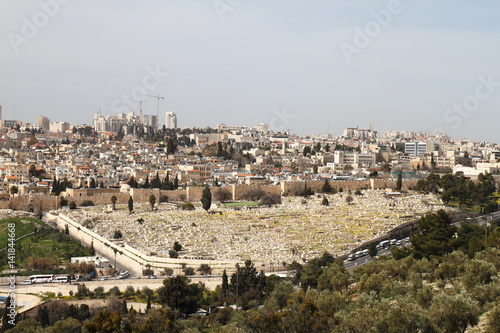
pixel 125 255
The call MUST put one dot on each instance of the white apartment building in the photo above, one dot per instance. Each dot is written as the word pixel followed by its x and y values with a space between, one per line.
pixel 355 159
pixel 59 127
pixel 417 149
pixel 170 120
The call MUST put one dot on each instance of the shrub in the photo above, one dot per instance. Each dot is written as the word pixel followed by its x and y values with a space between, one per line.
pixel 99 291
pixel 173 254
pixel 270 199
pixel 254 194
pixel 168 271
pixel 222 194
pixel 72 205
pixel 177 246
pixel 117 234
pixel 187 206
pixel 87 203
pixel 115 291
pixel 189 271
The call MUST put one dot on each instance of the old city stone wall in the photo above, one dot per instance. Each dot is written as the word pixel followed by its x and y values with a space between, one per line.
pixel 193 194
pixel 175 195
pixel 239 191
pixel 101 199
pixel 42 202
pixel 126 256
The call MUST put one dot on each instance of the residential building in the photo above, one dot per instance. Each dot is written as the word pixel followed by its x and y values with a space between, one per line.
pixel 43 123
pixel 59 127
pixel 418 148
pixel 170 120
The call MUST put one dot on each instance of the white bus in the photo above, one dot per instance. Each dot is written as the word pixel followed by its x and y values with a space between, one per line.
pixel 41 278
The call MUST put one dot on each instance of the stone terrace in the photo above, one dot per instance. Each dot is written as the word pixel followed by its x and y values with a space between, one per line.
pixel 296 230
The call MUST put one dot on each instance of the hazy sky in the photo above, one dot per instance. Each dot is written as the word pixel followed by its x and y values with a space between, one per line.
pixel 309 66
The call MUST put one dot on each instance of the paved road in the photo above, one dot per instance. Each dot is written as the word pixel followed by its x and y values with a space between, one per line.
pixel 482 220
pixel 363 260
pixel 24 300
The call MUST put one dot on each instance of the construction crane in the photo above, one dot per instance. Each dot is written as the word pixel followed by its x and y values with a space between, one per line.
pixel 158 97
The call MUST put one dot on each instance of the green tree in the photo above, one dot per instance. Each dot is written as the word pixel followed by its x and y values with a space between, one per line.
pixel 173 254
pixel 399 182
pixel 146 182
pixel 372 250
pixel 104 322
pixel 117 234
pixel 225 284
pixel 177 246
pixel 246 279
pixel 43 316
pixel 14 190
pixel 29 325
pixel 307 151
pixel 152 200
pixel 68 325
pixel 132 182
pixel 453 313
pixel 130 205
pixel 155 183
pixel 478 272
pixel 206 198
pixel 205 269
pixel 434 236
pixel 113 201
pixel 334 277
pixel 178 294
pixel 326 187
pixel 493 325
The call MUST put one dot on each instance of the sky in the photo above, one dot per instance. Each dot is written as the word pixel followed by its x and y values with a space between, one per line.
pixel 302 66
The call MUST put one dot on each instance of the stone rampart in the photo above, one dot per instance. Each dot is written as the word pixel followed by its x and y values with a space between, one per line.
pixel 239 191
pixel 37 203
pixel 193 194
pixel 124 255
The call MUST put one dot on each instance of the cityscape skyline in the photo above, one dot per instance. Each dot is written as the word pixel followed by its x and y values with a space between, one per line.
pixel 307 69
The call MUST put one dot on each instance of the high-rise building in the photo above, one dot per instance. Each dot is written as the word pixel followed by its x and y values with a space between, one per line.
pixel 417 149
pixel 150 120
pixel 59 127
pixel 43 123
pixel 170 120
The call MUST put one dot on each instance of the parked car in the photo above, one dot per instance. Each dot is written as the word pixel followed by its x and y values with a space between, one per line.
pixel 26 282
